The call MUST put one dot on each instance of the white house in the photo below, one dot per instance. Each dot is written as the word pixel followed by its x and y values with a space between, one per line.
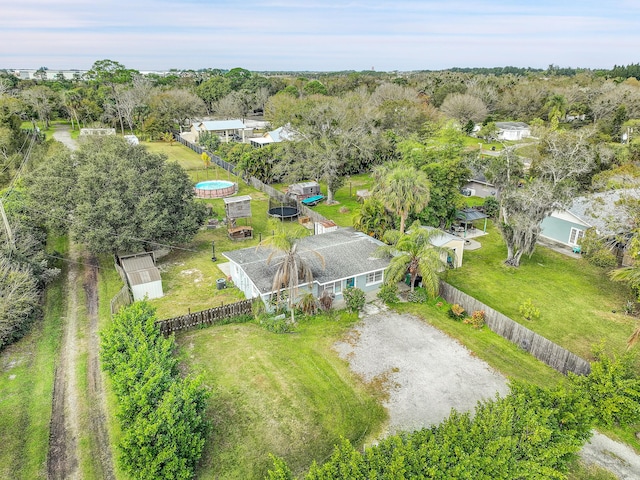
pixel 226 129
pixel 349 258
pixel 274 136
pixel 513 130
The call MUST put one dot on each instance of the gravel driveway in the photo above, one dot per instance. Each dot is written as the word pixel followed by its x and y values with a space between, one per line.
pixel 428 373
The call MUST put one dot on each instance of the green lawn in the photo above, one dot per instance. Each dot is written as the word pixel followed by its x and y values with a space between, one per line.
pixel 579 305
pixel 288 395
pixel 26 386
pixel 347 204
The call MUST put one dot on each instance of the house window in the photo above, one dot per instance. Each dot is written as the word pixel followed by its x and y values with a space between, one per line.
pixel 334 287
pixel 351 282
pixel 374 277
pixel 575 236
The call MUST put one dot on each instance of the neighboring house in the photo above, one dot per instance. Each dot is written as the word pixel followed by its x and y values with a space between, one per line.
pixel 478 186
pixel 225 129
pixel 142 275
pixel 598 210
pixel 513 130
pixel 349 258
pixel 274 136
pixel 451 242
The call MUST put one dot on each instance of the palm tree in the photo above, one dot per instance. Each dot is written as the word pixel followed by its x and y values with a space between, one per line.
pixel 292 268
pixel 414 253
pixel 402 189
pixel 631 276
pixel 373 218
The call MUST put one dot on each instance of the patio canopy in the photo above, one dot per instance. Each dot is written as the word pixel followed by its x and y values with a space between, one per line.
pixel 468 215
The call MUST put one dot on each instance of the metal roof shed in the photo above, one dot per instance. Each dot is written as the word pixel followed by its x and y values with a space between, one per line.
pixel 142 276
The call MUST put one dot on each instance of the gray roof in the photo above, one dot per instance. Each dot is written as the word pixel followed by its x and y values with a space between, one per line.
pixel 470 214
pixel 442 239
pixel 512 125
pixel 140 269
pixel 602 211
pixel 346 253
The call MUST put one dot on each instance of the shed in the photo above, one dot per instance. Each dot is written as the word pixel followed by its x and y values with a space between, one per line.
pixel 237 207
pixel 142 276
pixel 325 227
pixel 452 242
pixel 304 190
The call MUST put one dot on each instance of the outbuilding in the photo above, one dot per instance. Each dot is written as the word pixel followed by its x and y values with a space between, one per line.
pixel 142 275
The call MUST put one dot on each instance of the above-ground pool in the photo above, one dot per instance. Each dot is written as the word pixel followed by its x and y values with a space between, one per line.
pixel 215 189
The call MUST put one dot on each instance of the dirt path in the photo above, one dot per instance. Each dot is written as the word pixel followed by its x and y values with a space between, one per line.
pixel 80 337
pixel 95 393
pixel 62 134
pixel 62 460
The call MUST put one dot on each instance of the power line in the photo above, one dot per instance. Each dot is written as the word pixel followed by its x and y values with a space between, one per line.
pixel 92 265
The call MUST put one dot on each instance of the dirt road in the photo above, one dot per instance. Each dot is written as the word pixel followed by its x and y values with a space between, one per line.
pixel 79 413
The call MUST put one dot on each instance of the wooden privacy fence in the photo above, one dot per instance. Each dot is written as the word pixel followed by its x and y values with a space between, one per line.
pixel 204 317
pixel 121 299
pixel 543 349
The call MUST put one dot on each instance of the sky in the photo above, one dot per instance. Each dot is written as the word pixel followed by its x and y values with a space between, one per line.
pixel 314 35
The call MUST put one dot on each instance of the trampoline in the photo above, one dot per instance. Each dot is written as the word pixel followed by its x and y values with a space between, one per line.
pixel 284 212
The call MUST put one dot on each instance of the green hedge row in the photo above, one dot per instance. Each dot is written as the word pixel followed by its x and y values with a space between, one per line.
pixel 161 414
pixel 530 433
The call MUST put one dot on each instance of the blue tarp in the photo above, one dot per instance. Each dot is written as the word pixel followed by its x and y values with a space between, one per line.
pixel 312 200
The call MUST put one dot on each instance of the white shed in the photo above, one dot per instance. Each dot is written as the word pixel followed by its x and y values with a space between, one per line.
pixel 142 276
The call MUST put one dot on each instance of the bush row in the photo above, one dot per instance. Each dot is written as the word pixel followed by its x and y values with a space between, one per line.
pixel 530 433
pixel 162 415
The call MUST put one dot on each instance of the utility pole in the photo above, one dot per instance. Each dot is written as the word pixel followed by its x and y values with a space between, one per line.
pixel 7 227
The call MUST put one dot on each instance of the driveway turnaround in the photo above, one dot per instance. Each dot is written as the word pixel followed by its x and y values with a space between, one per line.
pixel 426 373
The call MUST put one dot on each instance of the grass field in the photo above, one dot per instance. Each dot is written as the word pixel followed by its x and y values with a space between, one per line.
pixel 288 395
pixel 579 305
pixel 346 205
pixel 26 385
